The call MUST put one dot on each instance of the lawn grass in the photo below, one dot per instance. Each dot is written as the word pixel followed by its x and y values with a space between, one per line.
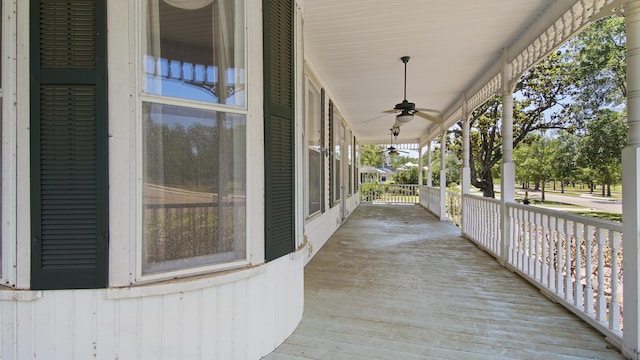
pixel 600 215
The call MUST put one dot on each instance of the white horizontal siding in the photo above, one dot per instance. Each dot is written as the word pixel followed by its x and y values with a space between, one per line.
pixel 243 318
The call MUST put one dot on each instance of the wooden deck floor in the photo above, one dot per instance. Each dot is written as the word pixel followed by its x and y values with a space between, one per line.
pixel 396 283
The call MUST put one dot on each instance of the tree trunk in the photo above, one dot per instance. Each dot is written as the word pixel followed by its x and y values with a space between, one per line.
pixel 487 189
pixel 554 185
pixel 609 190
pixel 602 189
pixel 562 187
pixel 543 186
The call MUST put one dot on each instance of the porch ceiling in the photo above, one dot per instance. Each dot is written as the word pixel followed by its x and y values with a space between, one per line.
pixel 356 46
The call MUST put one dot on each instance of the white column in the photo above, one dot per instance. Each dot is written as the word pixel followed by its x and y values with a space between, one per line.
pixel 466 170
pixel 631 187
pixel 466 148
pixel 443 176
pixel 507 170
pixel 429 161
pixel 420 165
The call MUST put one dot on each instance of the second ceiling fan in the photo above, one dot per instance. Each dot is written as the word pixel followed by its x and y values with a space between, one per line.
pixel 406 110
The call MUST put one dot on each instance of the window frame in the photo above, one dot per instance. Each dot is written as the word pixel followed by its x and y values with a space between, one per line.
pixel 142 97
pixel 8 162
pixel 309 87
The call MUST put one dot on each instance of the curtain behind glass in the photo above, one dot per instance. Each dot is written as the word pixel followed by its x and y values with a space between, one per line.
pixel 195 50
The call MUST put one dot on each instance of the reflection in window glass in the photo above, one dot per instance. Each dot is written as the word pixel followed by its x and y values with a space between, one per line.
pixel 193 187
pixel 195 50
pixel 314 175
pixel 337 137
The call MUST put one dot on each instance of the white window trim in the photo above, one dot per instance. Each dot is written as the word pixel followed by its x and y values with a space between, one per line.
pixel 309 86
pixel 125 258
pixel 156 99
pixel 8 92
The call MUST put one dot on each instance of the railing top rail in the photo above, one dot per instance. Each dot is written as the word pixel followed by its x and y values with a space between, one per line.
pixel 476 197
pixel 587 220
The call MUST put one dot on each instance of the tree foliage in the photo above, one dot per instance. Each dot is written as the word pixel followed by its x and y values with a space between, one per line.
pixel 569 90
pixel 371 155
pixel 601 147
pixel 598 64
pixel 542 89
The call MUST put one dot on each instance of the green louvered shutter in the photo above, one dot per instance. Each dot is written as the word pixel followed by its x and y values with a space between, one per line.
pixel 278 17
pixel 69 219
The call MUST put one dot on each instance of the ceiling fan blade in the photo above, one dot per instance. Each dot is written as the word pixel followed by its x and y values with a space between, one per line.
pixel 430 117
pixel 375 118
pixel 392 111
pixel 428 110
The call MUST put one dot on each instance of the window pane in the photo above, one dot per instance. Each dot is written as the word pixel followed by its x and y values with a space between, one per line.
pixel 196 52
pixel 194 187
pixel 338 132
pixel 314 175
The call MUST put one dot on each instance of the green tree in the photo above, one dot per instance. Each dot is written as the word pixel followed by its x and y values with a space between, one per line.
pixel 544 88
pixel 453 164
pixel 534 162
pixel 598 64
pixel 564 158
pixel 407 176
pixel 601 147
pixel 371 155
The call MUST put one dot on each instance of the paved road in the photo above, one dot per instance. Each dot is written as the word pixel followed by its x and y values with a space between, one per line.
pixel 595 203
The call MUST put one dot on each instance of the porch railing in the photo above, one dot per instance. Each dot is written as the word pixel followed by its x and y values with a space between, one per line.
pixel 454 207
pixel 482 222
pixel 576 260
pixel 431 200
pixel 389 193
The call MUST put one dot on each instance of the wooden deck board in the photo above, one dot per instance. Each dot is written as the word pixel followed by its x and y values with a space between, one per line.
pixel 396 283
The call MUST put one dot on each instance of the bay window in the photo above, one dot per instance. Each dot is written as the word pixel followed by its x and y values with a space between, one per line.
pixel 193 135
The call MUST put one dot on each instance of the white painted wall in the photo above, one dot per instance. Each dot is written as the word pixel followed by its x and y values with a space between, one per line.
pixel 242 314
pixel 319 228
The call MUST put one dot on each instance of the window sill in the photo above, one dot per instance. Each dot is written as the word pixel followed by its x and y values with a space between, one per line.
pixel 183 284
pixel 8 294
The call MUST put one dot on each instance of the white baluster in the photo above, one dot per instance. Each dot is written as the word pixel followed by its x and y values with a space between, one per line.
pixel 559 247
pixel 578 291
pixel 568 278
pixel 601 302
pixel 588 288
pixel 614 306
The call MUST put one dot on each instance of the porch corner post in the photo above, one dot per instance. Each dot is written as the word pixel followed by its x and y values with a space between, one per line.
pixel 429 161
pixel 420 181
pixel 631 187
pixel 507 170
pixel 466 170
pixel 443 176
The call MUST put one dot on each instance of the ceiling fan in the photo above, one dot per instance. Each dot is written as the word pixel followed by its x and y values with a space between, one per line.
pixel 405 110
pixel 391 150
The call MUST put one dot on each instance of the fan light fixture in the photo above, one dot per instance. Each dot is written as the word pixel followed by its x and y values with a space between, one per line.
pixel 404 117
